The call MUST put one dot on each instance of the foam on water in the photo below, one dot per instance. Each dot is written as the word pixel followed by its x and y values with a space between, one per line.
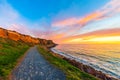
pixel 105 58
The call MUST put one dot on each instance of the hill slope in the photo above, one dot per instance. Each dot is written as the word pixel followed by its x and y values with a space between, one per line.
pixel 10 51
pixel 12 46
pixel 13 35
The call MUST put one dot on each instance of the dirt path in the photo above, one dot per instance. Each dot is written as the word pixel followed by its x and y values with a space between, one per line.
pixel 35 67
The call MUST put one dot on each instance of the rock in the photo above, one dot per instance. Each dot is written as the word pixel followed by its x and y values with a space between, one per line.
pixel 88 69
pixel 3 33
pixel 13 35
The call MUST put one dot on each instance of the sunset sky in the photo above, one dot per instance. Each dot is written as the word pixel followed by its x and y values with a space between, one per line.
pixel 64 21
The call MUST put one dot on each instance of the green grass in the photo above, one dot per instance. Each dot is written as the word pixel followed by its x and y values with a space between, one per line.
pixel 10 51
pixel 72 73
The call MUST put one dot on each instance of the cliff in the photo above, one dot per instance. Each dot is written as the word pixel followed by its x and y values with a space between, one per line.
pixel 13 35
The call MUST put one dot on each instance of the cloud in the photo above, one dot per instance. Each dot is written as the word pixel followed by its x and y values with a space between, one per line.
pixel 110 9
pixel 106 17
pixel 94 34
pixel 13 20
pixel 74 21
pixel 100 33
pixel 87 26
pixel 20 28
pixel 67 22
pixel 7 14
pixel 89 18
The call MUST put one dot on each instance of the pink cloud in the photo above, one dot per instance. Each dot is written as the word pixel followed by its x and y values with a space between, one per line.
pixel 66 22
pixel 94 34
pixel 19 28
pixel 110 9
pixel 76 21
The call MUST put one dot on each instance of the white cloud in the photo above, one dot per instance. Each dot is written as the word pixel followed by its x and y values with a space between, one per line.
pixel 107 23
pixel 109 18
pixel 7 14
pixel 12 20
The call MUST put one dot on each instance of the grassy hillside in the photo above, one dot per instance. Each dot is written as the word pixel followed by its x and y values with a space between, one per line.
pixel 72 73
pixel 10 51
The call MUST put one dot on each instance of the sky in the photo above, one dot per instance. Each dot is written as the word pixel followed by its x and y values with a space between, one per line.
pixel 64 21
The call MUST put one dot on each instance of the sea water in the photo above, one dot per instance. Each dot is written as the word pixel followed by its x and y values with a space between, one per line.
pixel 105 58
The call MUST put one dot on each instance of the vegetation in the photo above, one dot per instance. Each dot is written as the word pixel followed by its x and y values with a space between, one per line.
pixel 10 51
pixel 72 73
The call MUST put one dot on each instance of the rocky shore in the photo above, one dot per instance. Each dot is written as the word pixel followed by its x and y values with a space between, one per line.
pixel 89 70
pixel 85 68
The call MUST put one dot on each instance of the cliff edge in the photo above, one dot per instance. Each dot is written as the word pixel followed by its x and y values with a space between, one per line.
pixel 13 35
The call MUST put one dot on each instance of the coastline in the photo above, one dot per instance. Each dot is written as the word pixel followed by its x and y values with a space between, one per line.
pixel 80 66
pixel 71 72
pixel 83 67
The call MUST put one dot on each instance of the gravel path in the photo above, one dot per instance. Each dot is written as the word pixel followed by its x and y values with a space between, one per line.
pixel 35 67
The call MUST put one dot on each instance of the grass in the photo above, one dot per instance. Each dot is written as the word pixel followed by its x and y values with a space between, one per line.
pixel 72 73
pixel 10 51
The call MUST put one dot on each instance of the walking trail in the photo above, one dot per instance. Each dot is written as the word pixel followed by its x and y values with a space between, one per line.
pixel 35 67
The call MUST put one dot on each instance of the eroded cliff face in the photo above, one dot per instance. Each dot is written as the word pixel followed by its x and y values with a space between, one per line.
pixel 3 33
pixel 13 35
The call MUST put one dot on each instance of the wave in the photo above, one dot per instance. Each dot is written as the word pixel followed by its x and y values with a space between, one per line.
pixel 86 61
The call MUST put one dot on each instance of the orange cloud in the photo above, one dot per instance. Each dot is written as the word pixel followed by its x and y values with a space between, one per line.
pixel 108 10
pixel 84 38
pixel 89 18
pixel 78 21
pixel 57 36
pixel 96 40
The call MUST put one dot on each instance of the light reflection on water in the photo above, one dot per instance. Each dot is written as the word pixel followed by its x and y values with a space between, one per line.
pixel 105 58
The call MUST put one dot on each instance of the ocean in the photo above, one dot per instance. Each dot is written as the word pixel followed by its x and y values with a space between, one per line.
pixel 105 58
